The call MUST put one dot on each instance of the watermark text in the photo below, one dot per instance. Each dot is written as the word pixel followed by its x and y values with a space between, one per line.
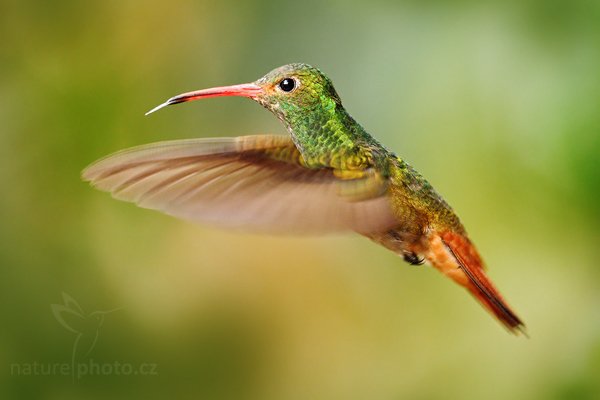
pixel 81 369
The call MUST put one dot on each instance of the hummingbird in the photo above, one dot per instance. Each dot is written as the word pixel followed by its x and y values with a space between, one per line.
pixel 327 175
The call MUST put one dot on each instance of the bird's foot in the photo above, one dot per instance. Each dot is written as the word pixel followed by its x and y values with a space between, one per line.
pixel 413 258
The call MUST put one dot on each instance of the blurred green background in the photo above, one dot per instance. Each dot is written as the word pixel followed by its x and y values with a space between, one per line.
pixel 497 104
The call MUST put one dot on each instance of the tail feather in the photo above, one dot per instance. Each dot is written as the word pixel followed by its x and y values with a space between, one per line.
pixel 455 256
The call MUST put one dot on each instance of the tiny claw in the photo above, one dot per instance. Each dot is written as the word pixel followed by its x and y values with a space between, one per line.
pixel 413 259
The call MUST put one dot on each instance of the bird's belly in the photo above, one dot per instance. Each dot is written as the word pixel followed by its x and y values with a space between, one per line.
pixel 406 240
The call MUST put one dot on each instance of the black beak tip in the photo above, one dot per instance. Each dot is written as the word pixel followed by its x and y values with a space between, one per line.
pixel 170 102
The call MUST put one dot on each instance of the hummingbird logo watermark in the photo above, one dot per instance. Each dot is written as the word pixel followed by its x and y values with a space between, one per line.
pixel 86 327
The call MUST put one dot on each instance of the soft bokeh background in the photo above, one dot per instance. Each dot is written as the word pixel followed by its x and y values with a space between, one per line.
pixel 498 104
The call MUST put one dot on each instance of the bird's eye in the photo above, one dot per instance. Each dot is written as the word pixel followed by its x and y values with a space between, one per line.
pixel 287 84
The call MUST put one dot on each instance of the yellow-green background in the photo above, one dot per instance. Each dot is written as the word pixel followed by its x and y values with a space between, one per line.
pixel 497 104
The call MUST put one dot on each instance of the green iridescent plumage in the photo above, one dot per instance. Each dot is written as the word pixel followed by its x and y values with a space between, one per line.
pixel 322 129
pixel 327 136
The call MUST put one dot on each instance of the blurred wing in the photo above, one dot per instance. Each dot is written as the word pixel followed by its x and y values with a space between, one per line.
pixel 253 182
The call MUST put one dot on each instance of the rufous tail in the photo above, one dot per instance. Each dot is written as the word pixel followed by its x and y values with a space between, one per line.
pixel 455 256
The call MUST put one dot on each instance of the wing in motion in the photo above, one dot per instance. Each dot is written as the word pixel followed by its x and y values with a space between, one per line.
pixel 255 183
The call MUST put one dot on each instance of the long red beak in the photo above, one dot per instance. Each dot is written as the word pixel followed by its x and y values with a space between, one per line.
pixel 250 90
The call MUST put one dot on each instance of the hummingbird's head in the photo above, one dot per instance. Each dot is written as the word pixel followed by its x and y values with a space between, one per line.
pixel 296 88
pixel 288 90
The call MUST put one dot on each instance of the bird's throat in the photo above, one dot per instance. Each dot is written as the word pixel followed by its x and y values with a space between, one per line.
pixel 328 136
